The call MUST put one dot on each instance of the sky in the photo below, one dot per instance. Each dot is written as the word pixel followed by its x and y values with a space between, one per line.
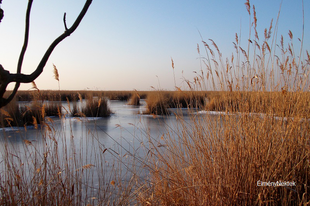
pixel 128 44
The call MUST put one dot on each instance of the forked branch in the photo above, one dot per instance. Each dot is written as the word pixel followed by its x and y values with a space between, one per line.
pixel 6 77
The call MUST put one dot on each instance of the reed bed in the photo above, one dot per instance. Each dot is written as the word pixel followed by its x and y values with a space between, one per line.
pixel 53 109
pixel 245 141
pixel 31 113
pixel 134 99
pixel 15 115
pixel 94 107
pixel 255 150
pixel 159 102
pixel 222 160
pixel 51 95
pixel 67 95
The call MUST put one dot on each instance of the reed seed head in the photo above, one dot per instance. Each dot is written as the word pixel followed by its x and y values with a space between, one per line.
pixel 56 74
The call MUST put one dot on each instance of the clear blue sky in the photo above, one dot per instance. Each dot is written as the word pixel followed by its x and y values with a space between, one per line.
pixel 128 44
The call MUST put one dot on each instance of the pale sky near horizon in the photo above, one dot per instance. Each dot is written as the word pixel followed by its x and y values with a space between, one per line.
pixel 128 44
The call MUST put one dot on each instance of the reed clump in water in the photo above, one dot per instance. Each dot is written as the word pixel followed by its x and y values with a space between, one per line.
pixel 96 107
pixel 157 103
pixel 20 116
pixel 11 115
pixel 134 99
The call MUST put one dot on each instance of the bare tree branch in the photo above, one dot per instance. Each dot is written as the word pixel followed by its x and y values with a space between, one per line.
pixel 65 22
pixel 6 77
pixel 49 51
pixel 26 37
pixel 1 12
pixel 23 51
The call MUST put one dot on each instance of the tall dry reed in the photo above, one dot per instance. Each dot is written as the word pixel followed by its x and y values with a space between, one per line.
pixel 256 150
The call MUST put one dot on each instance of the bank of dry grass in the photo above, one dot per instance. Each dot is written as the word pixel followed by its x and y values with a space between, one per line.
pixel 281 104
pixel 218 160
pixel 260 135
pixel 159 102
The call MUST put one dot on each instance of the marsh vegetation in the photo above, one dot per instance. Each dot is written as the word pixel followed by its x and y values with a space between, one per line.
pixel 241 121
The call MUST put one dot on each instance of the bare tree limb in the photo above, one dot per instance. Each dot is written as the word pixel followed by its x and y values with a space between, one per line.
pixel 26 37
pixel 23 51
pixel 6 77
pixel 1 12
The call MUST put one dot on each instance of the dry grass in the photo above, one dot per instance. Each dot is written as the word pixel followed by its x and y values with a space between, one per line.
pixel 15 115
pixel 51 95
pixel 281 104
pixel 261 135
pixel 218 161
pixel 10 115
pixel 118 95
pixel 33 113
pixel 66 95
pixel 95 107
pixel 52 168
pixel 53 109
pixel 188 99
pixel 57 170
pixel 134 99
pixel 157 103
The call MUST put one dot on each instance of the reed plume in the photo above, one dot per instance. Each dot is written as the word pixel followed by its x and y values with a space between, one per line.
pixel 56 75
